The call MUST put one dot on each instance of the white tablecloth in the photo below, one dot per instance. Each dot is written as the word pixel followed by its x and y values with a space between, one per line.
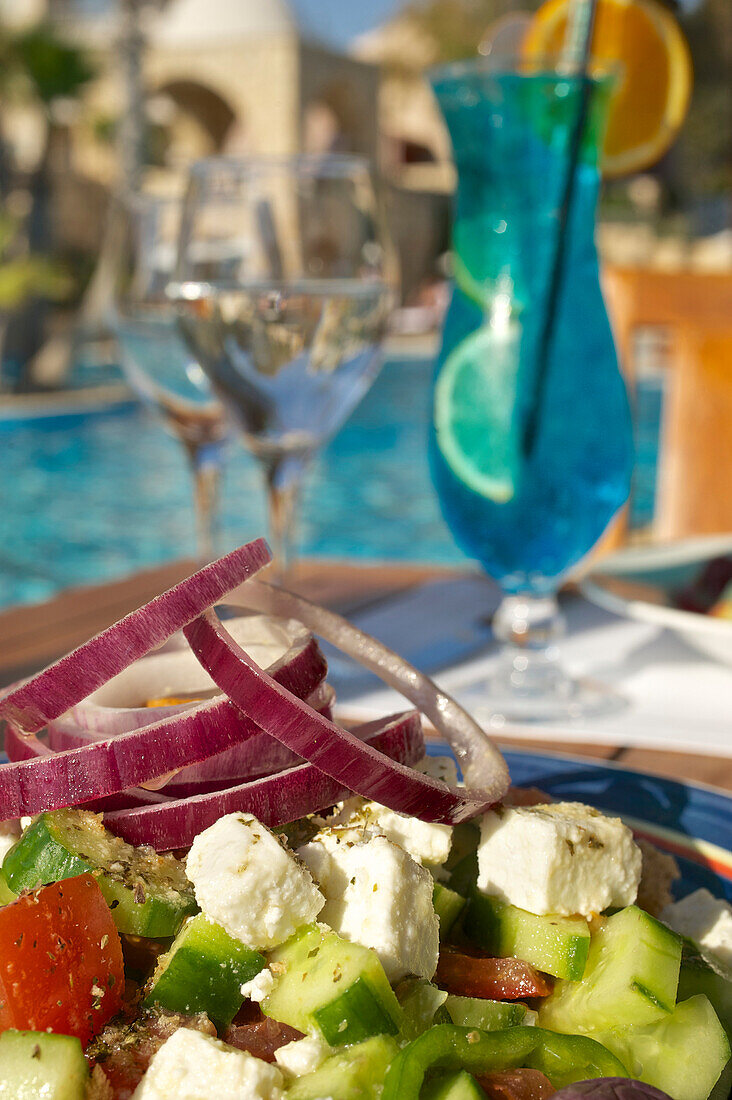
pixel 676 698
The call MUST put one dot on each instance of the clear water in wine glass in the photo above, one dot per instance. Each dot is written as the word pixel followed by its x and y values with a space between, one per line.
pixel 283 291
pixel 290 361
pixel 154 356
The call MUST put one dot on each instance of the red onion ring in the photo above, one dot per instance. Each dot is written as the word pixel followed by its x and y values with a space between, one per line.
pixel 481 763
pixel 274 800
pixel 258 755
pixel 105 767
pixel 45 696
pixel 20 747
pixel 121 704
pixel 333 750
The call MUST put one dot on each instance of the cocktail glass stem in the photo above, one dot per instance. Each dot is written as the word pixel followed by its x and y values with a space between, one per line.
pixel 205 461
pixel 283 477
pixel 530 682
pixel 529 627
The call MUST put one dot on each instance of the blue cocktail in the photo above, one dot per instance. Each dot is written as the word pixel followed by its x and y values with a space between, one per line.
pixel 531 449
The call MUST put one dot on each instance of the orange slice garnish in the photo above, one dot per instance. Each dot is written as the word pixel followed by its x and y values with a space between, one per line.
pixel 643 41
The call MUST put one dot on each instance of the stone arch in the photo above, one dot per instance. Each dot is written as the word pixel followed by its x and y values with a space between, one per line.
pixel 331 122
pixel 210 113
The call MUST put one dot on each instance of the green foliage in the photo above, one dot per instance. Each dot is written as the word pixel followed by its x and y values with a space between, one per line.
pixel 53 68
pixel 23 277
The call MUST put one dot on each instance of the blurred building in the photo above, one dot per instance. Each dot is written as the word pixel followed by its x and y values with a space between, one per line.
pixel 224 76
pixel 239 77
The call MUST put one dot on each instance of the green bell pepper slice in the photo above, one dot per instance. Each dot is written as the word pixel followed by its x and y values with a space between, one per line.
pixel 563 1058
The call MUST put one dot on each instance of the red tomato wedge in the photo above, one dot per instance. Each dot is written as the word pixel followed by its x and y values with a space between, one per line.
pixel 493 979
pixel 516 1084
pixel 60 960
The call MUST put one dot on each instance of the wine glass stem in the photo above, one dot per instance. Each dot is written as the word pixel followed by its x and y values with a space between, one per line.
pixel 529 627
pixel 283 492
pixel 205 463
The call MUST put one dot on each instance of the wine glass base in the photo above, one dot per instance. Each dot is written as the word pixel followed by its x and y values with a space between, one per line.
pixel 567 700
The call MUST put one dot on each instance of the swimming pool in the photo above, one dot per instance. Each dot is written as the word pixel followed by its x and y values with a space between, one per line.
pixel 91 498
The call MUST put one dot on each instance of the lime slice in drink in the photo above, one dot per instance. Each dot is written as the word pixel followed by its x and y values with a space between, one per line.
pixel 476 290
pixel 475 411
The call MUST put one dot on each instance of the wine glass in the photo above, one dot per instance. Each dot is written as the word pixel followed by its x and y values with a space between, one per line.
pixel 158 365
pixel 283 287
pixel 531 448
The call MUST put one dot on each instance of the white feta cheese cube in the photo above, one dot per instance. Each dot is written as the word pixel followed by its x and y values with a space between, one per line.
pixel 246 879
pixel 192 1066
pixel 439 767
pixel 302 1055
pixel 561 858
pixel 326 855
pixel 380 897
pixel 704 919
pixel 425 841
pixel 260 986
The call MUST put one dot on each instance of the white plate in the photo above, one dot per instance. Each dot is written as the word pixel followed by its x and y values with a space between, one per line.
pixel 637 583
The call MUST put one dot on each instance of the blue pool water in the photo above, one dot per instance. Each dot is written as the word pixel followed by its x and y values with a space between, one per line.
pixel 86 499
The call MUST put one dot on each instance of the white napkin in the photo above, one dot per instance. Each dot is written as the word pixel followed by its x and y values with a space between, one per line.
pixel 676 698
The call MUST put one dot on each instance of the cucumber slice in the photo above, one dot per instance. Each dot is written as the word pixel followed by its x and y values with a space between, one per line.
pixel 723 1088
pixel 149 894
pixel 557 945
pixel 486 1015
pixel 338 988
pixel 631 975
pixel 422 1006
pixel 684 1054
pixel 465 841
pixel 464 875
pixel 6 894
pixel 203 972
pixel 35 1064
pixel 453 1086
pixel 710 977
pixel 448 906
pixel 354 1074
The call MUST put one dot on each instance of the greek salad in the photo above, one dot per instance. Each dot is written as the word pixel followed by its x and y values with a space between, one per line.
pixel 212 891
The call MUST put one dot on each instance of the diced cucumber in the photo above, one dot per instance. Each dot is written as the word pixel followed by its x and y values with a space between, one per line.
pixel 723 1088
pixel 421 1003
pixel 354 1074
pixel 683 1054
pixel 453 1086
pixel 631 975
pixel 325 983
pixel 465 841
pixel 557 945
pixel 487 1015
pixel 448 906
pixel 149 894
pixel 36 1064
pixel 6 894
pixel 708 976
pixel 464 875
pixel 203 972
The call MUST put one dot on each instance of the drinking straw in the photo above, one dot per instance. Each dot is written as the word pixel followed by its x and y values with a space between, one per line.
pixel 575 58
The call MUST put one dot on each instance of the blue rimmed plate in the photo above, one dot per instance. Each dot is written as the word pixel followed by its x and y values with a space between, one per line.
pixel 691 821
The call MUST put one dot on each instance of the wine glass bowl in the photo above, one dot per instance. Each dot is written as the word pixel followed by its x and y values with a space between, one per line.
pixel 282 293
pixel 156 362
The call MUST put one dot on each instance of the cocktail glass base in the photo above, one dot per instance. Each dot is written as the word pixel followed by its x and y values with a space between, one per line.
pixel 569 700
pixel 530 683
